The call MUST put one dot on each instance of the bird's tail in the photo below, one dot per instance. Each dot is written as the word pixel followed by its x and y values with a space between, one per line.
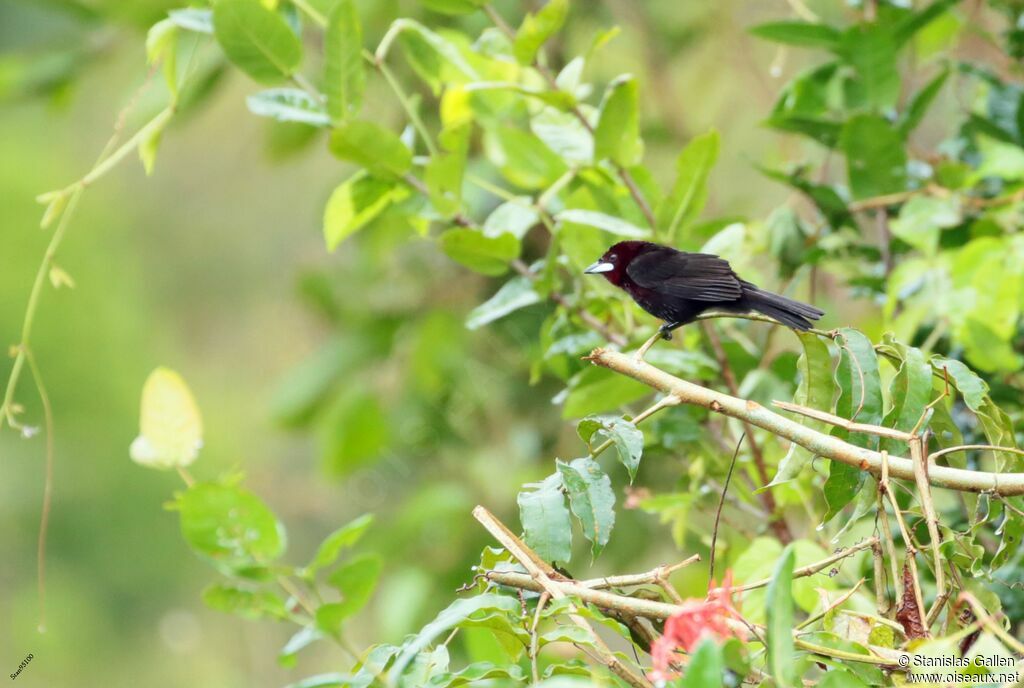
pixel 792 313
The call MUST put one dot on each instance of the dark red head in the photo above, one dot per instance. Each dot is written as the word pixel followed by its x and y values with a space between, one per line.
pixel 612 265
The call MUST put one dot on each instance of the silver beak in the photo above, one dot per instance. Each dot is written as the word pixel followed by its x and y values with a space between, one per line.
pixel 599 267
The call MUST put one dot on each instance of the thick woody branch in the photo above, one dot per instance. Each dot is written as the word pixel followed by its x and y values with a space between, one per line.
pixel 1004 484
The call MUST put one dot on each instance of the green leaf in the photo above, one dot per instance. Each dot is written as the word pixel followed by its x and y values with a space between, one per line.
pixel 193 19
pixel 910 392
pixel 815 390
pixel 627 439
pixel 779 605
pixel 480 673
pixel 838 678
pixel 803 34
pixel 915 21
pixel 591 499
pixel 871 51
pixel 149 142
pixel 344 72
pixel 356 432
pixel 435 59
pixel 372 146
pixel 875 158
pixel 537 28
pixel 517 293
pixel 453 7
pixel 545 519
pixel 249 604
pixel 355 580
pixel 355 203
pixel 257 40
pixel 444 171
pixel 229 525
pixel 483 254
pixel 920 103
pixel 922 218
pixel 458 612
pixel 617 135
pixel 162 45
pixel 341 539
pixel 689 193
pixel 596 390
pixel 302 639
pixel 522 158
pixel 324 681
pixel 860 384
pixel 593 218
pixel 706 666
pixel 288 105
pixel 515 217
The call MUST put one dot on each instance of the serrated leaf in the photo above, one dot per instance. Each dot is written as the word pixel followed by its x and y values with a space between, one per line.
pixel 517 293
pixel 288 105
pixel 344 72
pixel 537 28
pixel 910 392
pixel 257 40
pixel 486 255
pixel 545 519
pixel 170 427
pixel 617 135
pixel 591 499
pixel 627 439
pixel 372 146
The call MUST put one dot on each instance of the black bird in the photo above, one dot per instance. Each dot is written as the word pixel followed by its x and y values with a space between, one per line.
pixel 677 286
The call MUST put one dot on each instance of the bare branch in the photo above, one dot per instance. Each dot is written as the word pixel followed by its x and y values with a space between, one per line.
pixel 1005 484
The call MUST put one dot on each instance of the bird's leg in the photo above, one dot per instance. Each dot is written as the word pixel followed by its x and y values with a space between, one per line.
pixel 665 331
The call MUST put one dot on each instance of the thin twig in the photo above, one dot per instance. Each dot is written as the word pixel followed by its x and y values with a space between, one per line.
pixel 924 496
pixel 718 511
pixel 777 522
pixel 44 519
pixel 814 568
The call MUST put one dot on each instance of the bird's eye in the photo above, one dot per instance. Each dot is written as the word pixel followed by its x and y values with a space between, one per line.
pixel 612 258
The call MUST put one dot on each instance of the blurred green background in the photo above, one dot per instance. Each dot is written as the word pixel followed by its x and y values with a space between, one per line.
pixel 215 266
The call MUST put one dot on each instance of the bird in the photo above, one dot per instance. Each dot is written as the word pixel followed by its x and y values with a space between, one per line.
pixel 676 286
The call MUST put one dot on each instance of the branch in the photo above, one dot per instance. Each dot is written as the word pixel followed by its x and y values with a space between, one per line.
pixel 541 573
pixel 1003 484
pixel 811 569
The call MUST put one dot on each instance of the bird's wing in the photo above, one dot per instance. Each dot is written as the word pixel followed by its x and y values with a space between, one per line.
pixel 694 276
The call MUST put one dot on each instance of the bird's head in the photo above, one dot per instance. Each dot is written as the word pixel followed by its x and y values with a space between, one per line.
pixel 616 259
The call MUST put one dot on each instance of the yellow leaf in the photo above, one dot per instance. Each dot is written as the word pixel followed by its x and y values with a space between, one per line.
pixel 170 428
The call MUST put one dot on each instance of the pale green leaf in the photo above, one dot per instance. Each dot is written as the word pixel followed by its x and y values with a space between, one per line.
pixel 288 105
pixel 256 39
pixel 517 293
pixel 170 427
pixel 545 519
pixel 344 71
pixel 591 498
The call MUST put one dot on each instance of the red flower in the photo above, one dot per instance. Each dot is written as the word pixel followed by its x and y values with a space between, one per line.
pixel 698 619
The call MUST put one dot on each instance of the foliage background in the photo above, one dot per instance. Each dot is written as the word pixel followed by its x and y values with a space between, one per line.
pixel 216 266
